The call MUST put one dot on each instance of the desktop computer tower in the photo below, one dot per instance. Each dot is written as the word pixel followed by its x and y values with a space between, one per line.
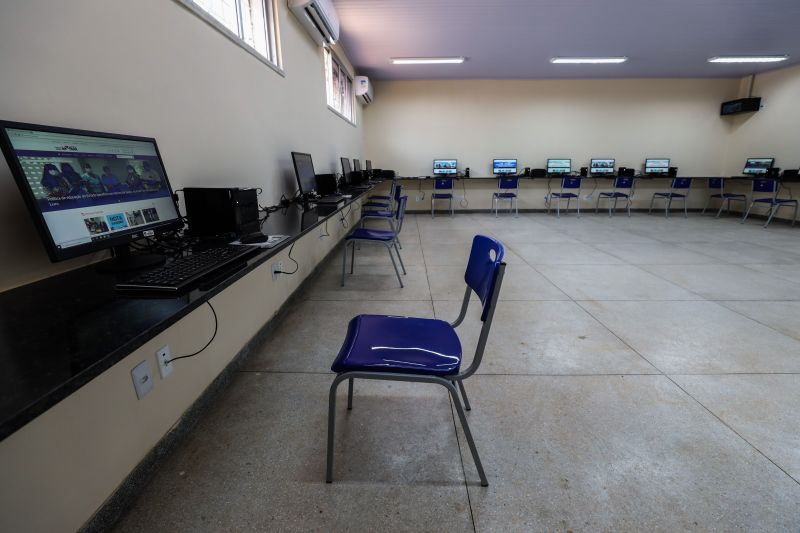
pixel 221 211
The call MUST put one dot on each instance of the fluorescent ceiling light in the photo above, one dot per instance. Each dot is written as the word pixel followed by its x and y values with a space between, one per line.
pixel 748 59
pixel 589 60
pixel 426 60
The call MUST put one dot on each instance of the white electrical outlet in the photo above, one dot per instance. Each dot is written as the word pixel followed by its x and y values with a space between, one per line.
pixel 164 366
pixel 419 197
pixel 142 379
pixel 277 268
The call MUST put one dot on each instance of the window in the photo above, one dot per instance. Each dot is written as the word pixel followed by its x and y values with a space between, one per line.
pixel 253 24
pixel 340 88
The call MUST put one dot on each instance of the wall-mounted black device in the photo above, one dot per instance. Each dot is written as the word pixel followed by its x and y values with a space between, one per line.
pixel 220 211
pixel 673 172
pixel 625 172
pixel 584 171
pixel 538 173
pixel 742 105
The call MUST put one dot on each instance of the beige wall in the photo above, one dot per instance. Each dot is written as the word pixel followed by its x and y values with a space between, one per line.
pixel 153 68
pixel 476 121
pixel 774 131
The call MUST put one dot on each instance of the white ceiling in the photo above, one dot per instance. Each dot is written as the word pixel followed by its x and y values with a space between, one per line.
pixel 515 39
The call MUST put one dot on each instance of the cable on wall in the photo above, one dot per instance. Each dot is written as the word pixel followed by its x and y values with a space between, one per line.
pixel 213 336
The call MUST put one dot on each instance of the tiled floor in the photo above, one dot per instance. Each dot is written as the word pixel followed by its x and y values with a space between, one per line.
pixel 642 374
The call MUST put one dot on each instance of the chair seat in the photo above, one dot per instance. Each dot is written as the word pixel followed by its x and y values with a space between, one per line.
pixel 371 234
pixel 442 195
pixel 564 195
pixel 614 195
pixel 669 195
pixel 378 214
pixel 727 195
pixel 505 195
pixel 381 343
pixel 776 201
pixel 375 204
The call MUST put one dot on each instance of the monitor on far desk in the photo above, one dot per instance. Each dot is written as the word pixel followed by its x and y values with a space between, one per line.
pixel 559 166
pixel 758 165
pixel 656 167
pixel 445 167
pixel 504 166
pixel 602 166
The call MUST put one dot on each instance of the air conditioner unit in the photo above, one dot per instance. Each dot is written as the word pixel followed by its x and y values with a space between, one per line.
pixel 319 18
pixel 364 89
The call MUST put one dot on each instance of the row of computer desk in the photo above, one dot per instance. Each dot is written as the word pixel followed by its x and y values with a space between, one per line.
pixel 59 333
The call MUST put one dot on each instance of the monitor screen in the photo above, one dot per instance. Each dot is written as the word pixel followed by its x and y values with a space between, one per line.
pixel 559 166
pixel 445 166
pixel 89 190
pixel 656 166
pixel 346 170
pixel 758 165
pixel 369 165
pixel 356 165
pixel 504 166
pixel 602 166
pixel 304 172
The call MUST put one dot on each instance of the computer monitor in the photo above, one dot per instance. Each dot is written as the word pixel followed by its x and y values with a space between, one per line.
pixel 504 166
pixel 758 165
pixel 656 166
pixel 445 166
pixel 357 165
pixel 369 165
pixel 559 166
pixel 602 166
pixel 304 172
pixel 346 170
pixel 88 191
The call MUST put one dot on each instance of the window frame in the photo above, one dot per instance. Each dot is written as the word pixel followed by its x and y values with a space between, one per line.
pixel 334 64
pixel 272 31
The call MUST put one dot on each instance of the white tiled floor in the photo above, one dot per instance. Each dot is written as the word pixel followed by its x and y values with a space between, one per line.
pixel 642 374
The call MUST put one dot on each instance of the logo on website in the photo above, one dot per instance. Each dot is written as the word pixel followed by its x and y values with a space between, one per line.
pixel 67 147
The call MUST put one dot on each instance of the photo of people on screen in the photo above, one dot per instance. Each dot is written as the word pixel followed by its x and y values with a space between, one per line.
pixel 445 166
pixel 602 166
pixel 758 165
pixel 96 225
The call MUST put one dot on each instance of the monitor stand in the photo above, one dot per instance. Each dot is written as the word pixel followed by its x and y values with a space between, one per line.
pixel 124 261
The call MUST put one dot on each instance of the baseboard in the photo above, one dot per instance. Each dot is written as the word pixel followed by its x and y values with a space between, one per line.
pixel 117 504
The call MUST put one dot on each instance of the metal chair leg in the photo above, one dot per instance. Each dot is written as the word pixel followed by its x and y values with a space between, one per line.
pixel 795 213
pixel 652 201
pixel 400 258
pixel 773 209
pixel 467 433
pixel 352 256
pixel 721 205
pixel 747 213
pixel 344 260
pixel 464 395
pixel 331 429
pixel 597 204
pixel 708 202
pixel 394 264
pixel 628 206
pixel 686 206
pixel 350 394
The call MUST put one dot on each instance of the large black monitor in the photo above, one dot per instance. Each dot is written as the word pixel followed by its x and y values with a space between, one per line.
pixel 369 165
pixel 87 190
pixel 346 170
pixel 504 166
pixel 356 165
pixel 445 166
pixel 304 172
pixel 758 165
pixel 602 166
pixel 656 166
pixel 559 166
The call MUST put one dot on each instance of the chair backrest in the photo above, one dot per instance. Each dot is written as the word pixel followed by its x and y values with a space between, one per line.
pixel 508 183
pixel 400 214
pixel 484 260
pixel 764 185
pixel 397 193
pixel 715 183
pixel 623 183
pixel 443 183
pixel 571 183
pixel 681 183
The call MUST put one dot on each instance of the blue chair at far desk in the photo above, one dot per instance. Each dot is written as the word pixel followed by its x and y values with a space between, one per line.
pixel 505 186
pixel 442 184
pixel 620 185
pixel 677 184
pixel 425 350
pixel 387 238
pixel 568 184
pixel 771 187
pixel 718 184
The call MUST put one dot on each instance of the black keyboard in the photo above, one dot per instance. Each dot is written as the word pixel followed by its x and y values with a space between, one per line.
pixel 330 199
pixel 184 271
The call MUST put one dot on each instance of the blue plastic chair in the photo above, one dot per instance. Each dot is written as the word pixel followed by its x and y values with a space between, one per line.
pixel 387 238
pixel 620 184
pixel 442 184
pixel 770 186
pixel 678 184
pixel 387 214
pixel 718 184
pixel 383 202
pixel 568 184
pixel 506 185
pixel 424 350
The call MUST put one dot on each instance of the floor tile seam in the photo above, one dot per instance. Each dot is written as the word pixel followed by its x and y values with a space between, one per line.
pixel 736 311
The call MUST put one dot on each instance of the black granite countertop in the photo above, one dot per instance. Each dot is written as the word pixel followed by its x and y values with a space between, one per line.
pixel 59 333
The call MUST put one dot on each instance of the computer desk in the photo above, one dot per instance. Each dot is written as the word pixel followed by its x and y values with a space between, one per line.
pixel 61 332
